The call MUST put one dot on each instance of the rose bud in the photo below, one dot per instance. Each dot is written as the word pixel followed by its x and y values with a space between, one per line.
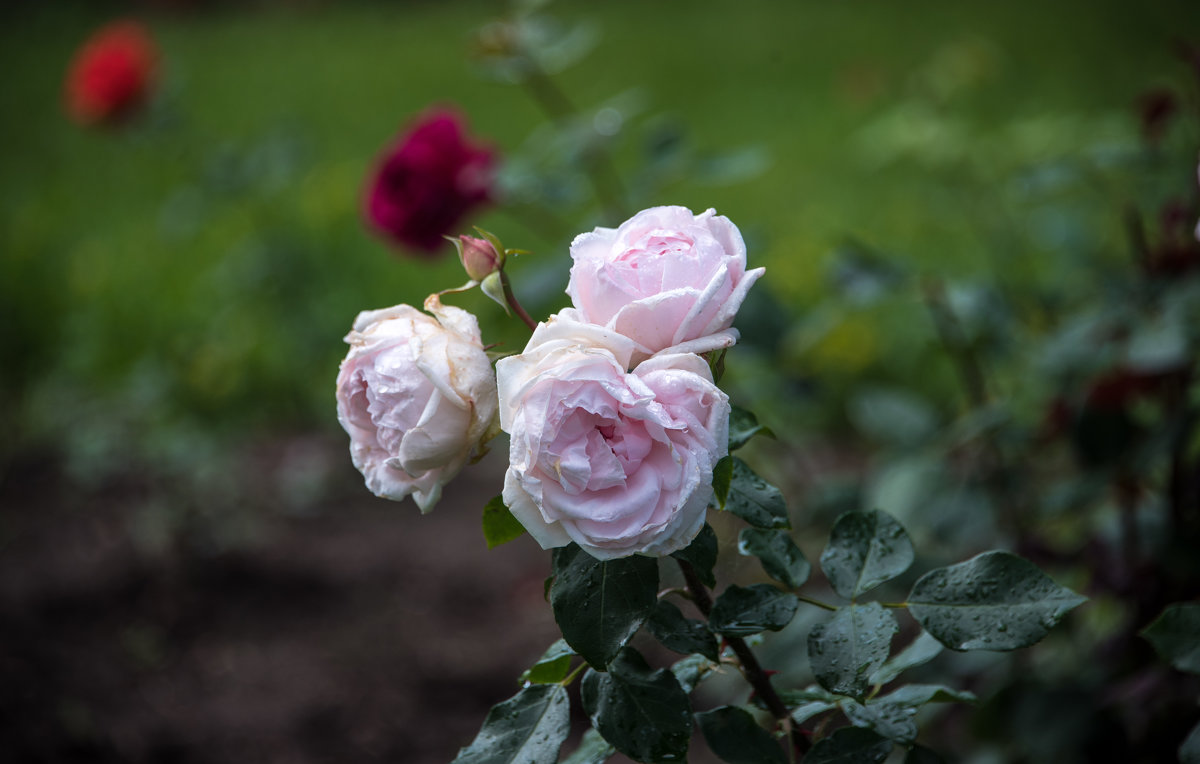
pixel 427 182
pixel 111 75
pixel 620 463
pixel 665 278
pixel 417 395
pixel 479 257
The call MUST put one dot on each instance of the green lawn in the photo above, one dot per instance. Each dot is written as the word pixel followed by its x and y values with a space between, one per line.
pixel 205 265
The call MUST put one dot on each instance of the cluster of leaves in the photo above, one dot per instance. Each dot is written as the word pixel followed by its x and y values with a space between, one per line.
pixel 995 601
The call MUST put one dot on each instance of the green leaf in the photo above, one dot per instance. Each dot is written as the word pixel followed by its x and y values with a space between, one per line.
pixel 755 500
pixel 701 554
pixel 593 749
pixel 922 650
pixel 735 737
pixel 893 722
pixel 680 634
pixel 808 695
pixel 644 713
pixel 919 754
pixel 994 601
pixel 845 650
pixel 499 525
pixel 599 605
pixel 528 728
pixel 743 426
pixel 722 479
pixel 850 745
pixel 892 715
pixel 865 549
pixel 806 711
pixel 779 555
pixel 553 666
pixel 1175 634
pixel 741 611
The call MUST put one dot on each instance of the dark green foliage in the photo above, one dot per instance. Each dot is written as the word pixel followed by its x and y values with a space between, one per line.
pixel 742 611
pixel 753 499
pixel 779 555
pixel 553 666
pixel 528 728
pixel 735 737
pixel 850 745
pixel 701 554
pixel 644 713
pixel 680 634
pixel 994 601
pixel 599 605
pixel 845 650
pixel 743 425
pixel 864 550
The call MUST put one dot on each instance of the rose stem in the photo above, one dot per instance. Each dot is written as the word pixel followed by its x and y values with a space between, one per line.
pixel 753 672
pixel 511 299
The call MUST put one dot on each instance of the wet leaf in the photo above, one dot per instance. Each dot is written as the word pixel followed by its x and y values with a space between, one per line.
pixel 865 549
pixel 690 671
pixel 735 737
pixel 845 650
pixel 722 481
pixel 553 666
pixel 499 525
pixel 593 749
pixel 994 601
pixel 743 426
pixel 755 500
pixel 742 611
pixel 922 650
pixel 779 555
pixel 1175 634
pixel 680 634
pixel 599 605
pixel 919 754
pixel 850 745
pixel 645 714
pixel 701 554
pixel 528 728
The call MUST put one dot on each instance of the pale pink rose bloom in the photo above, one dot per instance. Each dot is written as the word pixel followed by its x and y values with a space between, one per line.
pixel 667 279
pixel 417 395
pixel 620 463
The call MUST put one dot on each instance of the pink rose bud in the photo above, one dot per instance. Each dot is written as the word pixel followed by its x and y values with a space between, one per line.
pixel 479 257
pixel 666 279
pixel 417 396
pixel 619 462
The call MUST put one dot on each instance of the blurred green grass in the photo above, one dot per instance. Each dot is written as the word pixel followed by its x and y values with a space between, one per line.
pixel 203 267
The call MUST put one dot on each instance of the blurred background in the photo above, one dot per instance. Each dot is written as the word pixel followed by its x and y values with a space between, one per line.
pixel 190 568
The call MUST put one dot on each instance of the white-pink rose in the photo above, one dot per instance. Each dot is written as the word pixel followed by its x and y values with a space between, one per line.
pixel 417 395
pixel 620 463
pixel 667 279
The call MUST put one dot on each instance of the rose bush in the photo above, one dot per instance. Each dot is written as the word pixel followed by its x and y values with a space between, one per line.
pixel 427 182
pixel 417 396
pixel 620 463
pixel 665 278
pixel 111 74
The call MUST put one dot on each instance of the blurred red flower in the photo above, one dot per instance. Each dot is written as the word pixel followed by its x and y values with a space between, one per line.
pixel 427 182
pixel 111 74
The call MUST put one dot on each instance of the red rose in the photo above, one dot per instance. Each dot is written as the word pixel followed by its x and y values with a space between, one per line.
pixel 111 74
pixel 427 181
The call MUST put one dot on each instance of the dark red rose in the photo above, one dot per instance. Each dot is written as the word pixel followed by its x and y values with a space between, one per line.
pixel 427 182
pixel 112 74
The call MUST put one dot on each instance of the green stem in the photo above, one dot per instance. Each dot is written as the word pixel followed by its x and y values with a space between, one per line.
pixel 818 603
pixel 571 677
pixel 751 669
pixel 511 299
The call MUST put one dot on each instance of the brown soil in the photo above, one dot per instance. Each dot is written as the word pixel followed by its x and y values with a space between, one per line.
pixel 359 631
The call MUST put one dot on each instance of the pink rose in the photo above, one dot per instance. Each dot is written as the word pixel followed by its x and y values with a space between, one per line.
pixel 620 463
pixel 665 278
pixel 417 396
pixel 427 182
